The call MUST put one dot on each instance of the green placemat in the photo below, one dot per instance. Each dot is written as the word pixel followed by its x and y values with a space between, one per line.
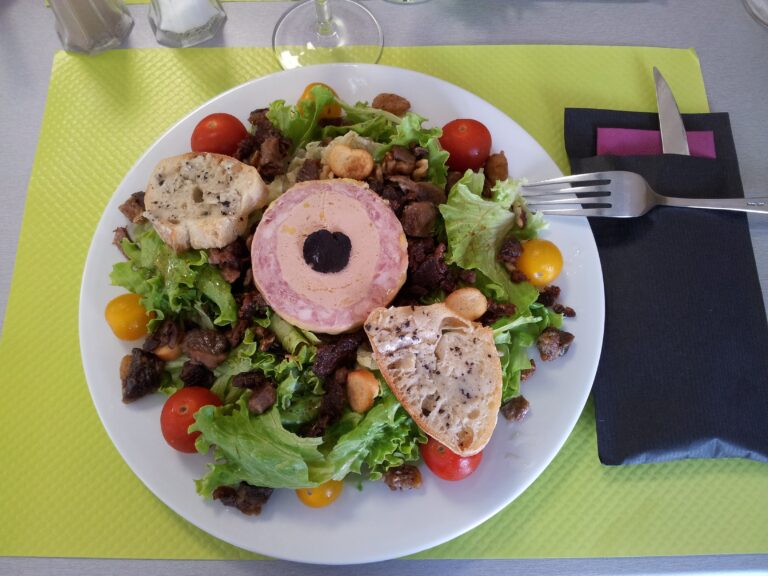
pixel 64 489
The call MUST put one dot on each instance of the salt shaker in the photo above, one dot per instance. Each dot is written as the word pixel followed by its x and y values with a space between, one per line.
pixel 182 23
pixel 91 25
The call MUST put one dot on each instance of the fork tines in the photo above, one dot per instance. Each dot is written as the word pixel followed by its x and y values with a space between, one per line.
pixel 589 194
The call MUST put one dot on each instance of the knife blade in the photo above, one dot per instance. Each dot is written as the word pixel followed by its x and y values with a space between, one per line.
pixel 673 137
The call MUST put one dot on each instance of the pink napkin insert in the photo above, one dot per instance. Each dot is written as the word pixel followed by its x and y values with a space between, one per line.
pixel 633 142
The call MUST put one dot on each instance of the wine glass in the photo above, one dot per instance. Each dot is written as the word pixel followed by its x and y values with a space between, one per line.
pixel 322 31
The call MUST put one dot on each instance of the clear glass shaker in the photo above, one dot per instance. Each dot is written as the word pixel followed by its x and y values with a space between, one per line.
pixel 91 25
pixel 182 23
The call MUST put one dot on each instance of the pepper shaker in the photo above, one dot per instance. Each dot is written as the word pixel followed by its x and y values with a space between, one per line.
pixel 91 26
pixel 182 23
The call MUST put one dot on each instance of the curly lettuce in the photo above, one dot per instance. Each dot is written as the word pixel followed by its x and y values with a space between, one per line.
pixel 172 284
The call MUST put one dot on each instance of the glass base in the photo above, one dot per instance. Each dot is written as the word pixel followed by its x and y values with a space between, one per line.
pixel 758 9
pixel 354 35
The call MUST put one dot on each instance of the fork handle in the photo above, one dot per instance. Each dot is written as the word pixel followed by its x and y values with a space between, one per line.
pixel 755 205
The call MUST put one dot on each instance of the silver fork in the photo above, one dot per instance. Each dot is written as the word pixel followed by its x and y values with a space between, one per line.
pixel 619 195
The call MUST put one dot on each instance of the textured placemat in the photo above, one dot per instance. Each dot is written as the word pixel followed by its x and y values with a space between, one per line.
pixel 64 489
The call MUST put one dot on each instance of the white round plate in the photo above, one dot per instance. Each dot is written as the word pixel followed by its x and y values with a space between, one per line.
pixel 374 523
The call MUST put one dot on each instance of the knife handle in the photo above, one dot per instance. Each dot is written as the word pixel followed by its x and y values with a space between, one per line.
pixel 755 205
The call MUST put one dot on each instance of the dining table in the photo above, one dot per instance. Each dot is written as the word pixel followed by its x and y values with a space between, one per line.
pixel 721 36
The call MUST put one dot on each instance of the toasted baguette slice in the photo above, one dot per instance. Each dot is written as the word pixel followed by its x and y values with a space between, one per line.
pixel 444 369
pixel 202 200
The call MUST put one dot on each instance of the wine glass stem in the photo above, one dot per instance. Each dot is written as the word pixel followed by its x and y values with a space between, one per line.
pixel 324 19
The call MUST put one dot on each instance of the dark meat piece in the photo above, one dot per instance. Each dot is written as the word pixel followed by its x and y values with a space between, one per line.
pixel 247 147
pixel 419 250
pixel 553 343
pixel 251 304
pixel 432 274
pixel 405 477
pixel 496 310
pixel 420 152
pixel 236 334
pixel 405 161
pixel 426 192
pixel 392 103
pixel 261 124
pixel 549 295
pixel 233 260
pixel 452 178
pixel 143 375
pixel 251 380
pixel 262 398
pixel 266 148
pixel 427 271
pixel 273 159
pixel 517 276
pixel 566 311
pixel 196 374
pixel 515 409
pixel 133 208
pixel 334 355
pixel 264 393
pixel 168 334
pixel 266 338
pixel 419 219
pixel 310 170
pixel 332 404
pixel 495 169
pixel 528 372
pixel 394 196
pixel 246 498
pixel 208 347
pixel 510 250
pixel 119 234
pixel 419 191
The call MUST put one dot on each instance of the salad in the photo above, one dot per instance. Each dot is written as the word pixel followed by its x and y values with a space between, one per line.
pixel 273 400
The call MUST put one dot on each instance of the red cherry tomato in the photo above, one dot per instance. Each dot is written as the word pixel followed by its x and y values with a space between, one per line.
pixel 447 464
pixel 468 142
pixel 218 133
pixel 179 414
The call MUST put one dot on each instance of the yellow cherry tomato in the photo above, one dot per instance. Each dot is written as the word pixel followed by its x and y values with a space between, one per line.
pixel 330 111
pixel 541 261
pixel 321 495
pixel 127 317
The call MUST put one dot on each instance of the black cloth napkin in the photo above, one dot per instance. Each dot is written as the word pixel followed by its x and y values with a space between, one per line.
pixel 684 365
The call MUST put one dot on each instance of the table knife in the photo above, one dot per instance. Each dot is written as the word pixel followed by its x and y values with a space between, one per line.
pixel 673 137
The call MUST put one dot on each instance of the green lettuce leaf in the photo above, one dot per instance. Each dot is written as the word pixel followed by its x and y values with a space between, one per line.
pixel 173 284
pixel 253 449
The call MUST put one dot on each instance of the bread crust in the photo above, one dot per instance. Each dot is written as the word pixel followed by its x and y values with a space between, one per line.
pixel 202 200
pixel 444 370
